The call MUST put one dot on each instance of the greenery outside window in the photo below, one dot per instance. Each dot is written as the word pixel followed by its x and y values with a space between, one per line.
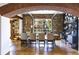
pixel 42 25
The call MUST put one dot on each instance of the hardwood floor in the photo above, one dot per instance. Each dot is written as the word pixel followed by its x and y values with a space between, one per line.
pixel 16 49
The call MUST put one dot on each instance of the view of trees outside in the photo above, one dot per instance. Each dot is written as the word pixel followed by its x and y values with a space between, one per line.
pixel 41 25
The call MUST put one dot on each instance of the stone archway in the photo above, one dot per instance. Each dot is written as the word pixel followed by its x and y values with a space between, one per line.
pixel 35 8
pixel 10 10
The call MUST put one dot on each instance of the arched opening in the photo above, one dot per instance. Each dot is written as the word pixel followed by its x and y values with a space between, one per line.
pixel 23 7
pixel 24 16
pixel 33 17
pixel 36 8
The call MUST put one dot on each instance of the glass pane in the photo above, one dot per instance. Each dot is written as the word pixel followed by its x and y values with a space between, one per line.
pixel 42 25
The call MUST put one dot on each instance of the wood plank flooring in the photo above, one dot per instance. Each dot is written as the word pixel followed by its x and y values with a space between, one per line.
pixel 16 49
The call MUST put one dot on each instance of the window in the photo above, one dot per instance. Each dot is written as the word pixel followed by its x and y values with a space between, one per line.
pixel 42 25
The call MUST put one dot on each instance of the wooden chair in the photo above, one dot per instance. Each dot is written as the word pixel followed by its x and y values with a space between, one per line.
pixel 31 38
pixel 41 38
pixel 23 39
pixel 50 38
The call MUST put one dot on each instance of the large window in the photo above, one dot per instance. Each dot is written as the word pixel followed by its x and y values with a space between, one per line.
pixel 42 25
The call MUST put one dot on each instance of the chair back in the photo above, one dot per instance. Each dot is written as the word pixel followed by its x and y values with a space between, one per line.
pixel 41 36
pixel 32 36
pixel 23 36
pixel 50 36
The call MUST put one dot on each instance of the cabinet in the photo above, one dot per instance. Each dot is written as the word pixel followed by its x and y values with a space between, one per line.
pixel 14 28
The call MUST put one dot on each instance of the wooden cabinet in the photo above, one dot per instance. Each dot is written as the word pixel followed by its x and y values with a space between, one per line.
pixel 14 28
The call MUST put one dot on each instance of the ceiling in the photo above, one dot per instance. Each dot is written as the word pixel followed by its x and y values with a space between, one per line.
pixel 12 9
pixel 2 4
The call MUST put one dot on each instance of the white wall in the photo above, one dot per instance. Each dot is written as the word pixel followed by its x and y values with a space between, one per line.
pixel 0 35
pixel 5 35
